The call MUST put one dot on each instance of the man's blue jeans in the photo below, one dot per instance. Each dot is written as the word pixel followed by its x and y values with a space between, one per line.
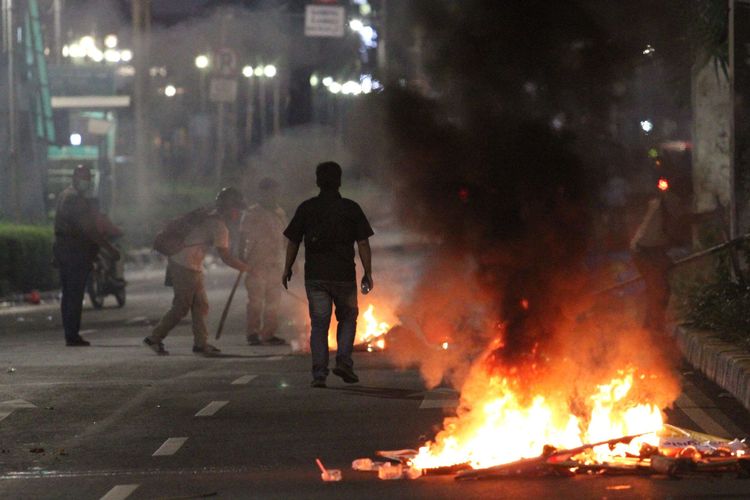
pixel 321 296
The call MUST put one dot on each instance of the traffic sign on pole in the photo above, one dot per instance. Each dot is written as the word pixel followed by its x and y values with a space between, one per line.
pixel 325 21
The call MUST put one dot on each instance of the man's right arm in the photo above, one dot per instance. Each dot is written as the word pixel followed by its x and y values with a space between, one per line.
pixel 291 255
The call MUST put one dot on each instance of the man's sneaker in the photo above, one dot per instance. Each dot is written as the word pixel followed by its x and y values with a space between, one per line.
pixel 347 374
pixel 253 340
pixel 274 341
pixel 318 383
pixel 79 342
pixel 206 350
pixel 157 347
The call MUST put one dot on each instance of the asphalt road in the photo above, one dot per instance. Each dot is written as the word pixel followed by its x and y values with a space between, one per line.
pixel 115 421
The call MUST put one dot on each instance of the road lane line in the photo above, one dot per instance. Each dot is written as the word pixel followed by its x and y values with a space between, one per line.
pixel 120 492
pixel 137 319
pixel 170 447
pixel 244 380
pixel 5 413
pixel 86 332
pixel 211 408
pixel 700 417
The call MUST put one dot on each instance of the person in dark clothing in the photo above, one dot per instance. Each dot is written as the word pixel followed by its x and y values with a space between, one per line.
pixel 329 225
pixel 667 221
pixel 77 241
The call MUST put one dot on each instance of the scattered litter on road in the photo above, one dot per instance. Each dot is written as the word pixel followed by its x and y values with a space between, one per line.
pixel 679 453
pixel 619 487
pixel 328 474
pixel 389 471
pixel 366 465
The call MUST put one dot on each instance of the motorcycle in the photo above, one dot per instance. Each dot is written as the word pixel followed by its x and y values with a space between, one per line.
pixel 104 280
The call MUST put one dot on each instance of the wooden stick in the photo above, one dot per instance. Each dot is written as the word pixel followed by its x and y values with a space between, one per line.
pixel 226 307
pixel 679 262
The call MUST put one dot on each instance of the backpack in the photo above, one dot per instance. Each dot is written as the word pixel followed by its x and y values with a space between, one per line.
pixel 171 239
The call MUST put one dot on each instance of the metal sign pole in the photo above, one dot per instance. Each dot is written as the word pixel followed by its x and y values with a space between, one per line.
pixel 733 229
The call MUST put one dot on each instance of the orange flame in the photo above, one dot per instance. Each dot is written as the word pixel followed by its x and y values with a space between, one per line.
pixel 370 332
pixel 496 425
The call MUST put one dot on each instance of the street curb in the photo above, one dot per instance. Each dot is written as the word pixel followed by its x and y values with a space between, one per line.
pixel 721 361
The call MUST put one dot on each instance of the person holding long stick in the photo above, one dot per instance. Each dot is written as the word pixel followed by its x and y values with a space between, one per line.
pixel 185 270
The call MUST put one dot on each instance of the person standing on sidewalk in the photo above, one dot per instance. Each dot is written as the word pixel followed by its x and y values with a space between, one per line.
pixel 185 272
pixel 666 224
pixel 77 242
pixel 329 225
pixel 261 230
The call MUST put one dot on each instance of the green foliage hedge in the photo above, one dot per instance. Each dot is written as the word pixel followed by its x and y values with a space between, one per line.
pixel 26 258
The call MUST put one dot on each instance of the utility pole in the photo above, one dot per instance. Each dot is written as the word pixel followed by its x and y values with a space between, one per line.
pixel 733 226
pixel 276 103
pixel 141 25
pixel 57 8
pixel 382 40
pixel 9 46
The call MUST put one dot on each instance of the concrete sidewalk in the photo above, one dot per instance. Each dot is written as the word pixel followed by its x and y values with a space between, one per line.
pixel 725 363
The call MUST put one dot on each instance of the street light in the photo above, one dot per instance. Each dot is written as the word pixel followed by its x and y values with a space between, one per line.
pixel 201 61
pixel 110 41
pixel 126 55
pixel 269 71
pixel 247 71
pixel 170 91
pixel 356 24
pixel 314 81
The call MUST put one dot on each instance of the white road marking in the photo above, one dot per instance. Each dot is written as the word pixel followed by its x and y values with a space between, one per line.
pixel 120 492
pixel 700 417
pixel 16 403
pixel 86 332
pixel 137 319
pixel 245 379
pixel 170 447
pixel 273 358
pixel 211 408
pixel 5 413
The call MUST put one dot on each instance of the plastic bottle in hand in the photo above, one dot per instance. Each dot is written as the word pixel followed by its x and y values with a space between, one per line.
pixel 366 285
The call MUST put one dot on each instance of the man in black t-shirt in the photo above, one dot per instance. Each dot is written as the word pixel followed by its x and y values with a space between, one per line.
pixel 330 225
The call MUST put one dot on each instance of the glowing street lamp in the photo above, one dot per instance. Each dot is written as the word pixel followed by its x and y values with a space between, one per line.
pixel 248 71
pixel 126 55
pixel 314 80
pixel 110 41
pixel 334 87
pixel 356 25
pixel 269 71
pixel 170 91
pixel 327 81
pixel 201 61
pixel 647 126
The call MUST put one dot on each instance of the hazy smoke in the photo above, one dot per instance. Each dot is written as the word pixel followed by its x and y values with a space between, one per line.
pixel 480 166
